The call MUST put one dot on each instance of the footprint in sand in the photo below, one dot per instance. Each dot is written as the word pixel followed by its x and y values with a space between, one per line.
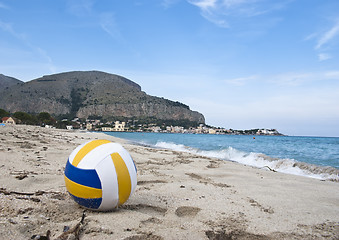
pixel 207 180
pixel 151 182
pixel 148 236
pixel 187 211
pixel 144 208
pixel 258 205
pixel 213 164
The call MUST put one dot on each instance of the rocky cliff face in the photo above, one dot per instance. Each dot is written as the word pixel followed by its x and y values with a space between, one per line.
pixel 89 93
pixel 6 82
pixel 149 109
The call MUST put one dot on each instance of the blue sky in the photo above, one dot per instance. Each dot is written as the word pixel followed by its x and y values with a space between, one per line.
pixel 242 63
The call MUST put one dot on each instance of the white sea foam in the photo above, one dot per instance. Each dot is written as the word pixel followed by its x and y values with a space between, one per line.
pixel 260 160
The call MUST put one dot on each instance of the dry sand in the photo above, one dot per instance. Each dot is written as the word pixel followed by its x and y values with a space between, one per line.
pixel 179 195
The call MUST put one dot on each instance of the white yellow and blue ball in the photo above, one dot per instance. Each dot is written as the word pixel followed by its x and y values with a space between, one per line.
pixel 100 175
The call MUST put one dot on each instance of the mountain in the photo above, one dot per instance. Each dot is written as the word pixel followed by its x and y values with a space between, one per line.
pixel 91 93
pixel 6 82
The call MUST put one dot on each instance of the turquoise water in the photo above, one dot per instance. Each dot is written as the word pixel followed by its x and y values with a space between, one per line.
pixel 308 156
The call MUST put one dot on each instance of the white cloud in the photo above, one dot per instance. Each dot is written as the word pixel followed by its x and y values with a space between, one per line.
pixel 311 36
pixel 51 67
pixel 328 36
pixel 216 20
pixel 325 41
pixel 109 25
pixel 220 12
pixel 105 20
pixel 7 27
pixel 288 79
pixel 324 56
pixel 332 75
pixel 204 5
pixel 294 79
pixel 80 8
pixel 241 81
pixel 291 79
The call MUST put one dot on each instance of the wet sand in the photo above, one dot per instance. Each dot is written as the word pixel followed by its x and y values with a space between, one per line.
pixel 178 196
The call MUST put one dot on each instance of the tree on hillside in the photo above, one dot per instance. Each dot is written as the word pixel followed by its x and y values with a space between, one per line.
pixel 45 118
pixel 26 118
pixel 3 113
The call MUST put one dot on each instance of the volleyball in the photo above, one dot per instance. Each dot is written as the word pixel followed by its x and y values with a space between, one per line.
pixel 100 175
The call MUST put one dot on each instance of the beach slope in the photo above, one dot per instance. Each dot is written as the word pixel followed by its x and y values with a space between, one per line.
pixel 178 196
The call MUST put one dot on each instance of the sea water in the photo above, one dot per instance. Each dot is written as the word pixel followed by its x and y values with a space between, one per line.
pixel 316 157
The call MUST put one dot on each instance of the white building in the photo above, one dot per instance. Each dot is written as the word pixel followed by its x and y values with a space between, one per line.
pixel 119 127
pixel 89 126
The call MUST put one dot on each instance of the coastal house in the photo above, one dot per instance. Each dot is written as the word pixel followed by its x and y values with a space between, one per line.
pixel 89 126
pixel 220 131
pixel 119 127
pixel 202 129
pixel 177 129
pixel 212 131
pixel 106 129
pixel 8 120
pixel 267 132
pixel 156 129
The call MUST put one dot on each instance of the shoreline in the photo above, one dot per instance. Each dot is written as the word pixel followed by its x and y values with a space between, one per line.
pixel 179 195
pixel 290 166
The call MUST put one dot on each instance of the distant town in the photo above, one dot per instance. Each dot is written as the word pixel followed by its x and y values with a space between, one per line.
pixel 133 126
pixel 45 120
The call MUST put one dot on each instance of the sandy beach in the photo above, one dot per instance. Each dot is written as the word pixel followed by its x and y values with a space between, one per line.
pixel 178 196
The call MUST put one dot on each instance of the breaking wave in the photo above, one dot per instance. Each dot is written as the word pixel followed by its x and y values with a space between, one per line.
pixel 260 160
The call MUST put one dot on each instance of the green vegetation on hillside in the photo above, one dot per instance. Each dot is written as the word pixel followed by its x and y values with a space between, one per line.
pixel 42 118
pixel 3 113
pixel 60 121
pixel 78 96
